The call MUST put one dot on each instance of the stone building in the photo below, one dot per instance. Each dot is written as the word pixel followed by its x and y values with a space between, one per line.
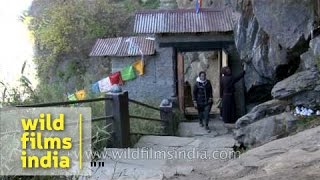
pixel 156 83
pixel 184 43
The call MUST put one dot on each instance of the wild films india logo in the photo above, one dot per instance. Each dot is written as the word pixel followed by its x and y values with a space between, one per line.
pixel 45 141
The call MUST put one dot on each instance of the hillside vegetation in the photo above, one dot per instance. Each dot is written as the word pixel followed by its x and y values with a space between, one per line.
pixel 64 33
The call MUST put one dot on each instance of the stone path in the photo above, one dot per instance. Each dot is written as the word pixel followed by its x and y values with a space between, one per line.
pixel 192 129
pixel 163 157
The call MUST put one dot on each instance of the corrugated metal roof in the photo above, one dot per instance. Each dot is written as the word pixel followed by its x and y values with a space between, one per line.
pixel 123 46
pixel 183 21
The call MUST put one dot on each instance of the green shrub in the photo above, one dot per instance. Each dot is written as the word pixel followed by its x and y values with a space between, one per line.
pixel 177 117
pixel 304 123
pixel 151 4
pixel 144 126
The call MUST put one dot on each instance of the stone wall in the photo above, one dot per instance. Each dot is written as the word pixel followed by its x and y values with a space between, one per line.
pixel 157 83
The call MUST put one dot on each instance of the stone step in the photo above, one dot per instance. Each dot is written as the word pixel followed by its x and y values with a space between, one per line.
pixel 193 129
pixel 150 158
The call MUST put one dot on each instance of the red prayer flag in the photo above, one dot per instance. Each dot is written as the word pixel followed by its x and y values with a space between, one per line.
pixel 115 78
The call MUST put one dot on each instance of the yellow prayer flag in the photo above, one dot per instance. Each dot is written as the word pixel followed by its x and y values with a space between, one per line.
pixel 139 66
pixel 81 95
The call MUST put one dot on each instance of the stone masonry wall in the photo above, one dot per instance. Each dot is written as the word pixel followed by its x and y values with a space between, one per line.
pixel 157 82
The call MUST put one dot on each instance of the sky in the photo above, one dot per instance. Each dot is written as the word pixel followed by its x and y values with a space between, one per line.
pixel 15 43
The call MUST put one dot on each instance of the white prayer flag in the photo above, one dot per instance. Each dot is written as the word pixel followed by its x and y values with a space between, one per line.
pixel 105 84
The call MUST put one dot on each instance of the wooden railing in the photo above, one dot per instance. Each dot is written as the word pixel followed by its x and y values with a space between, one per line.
pixel 120 118
pixel 165 117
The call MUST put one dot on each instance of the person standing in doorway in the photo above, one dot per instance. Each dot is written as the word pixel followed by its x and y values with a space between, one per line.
pixel 202 98
pixel 227 94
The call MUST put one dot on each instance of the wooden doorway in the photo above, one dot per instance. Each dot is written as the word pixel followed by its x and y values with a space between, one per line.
pixel 184 88
pixel 180 78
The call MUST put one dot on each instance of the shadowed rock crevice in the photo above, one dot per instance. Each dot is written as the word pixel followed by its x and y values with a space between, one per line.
pixel 259 94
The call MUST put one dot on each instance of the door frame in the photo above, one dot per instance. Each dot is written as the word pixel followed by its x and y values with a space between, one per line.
pixel 180 80
pixel 222 61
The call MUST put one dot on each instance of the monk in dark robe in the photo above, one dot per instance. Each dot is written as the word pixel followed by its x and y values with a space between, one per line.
pixel 227 94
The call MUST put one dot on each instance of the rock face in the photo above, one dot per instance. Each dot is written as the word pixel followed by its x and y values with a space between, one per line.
pixel 299 82
pixel 303 88
pixel 285 21
pixel 261 111
pixel 273 39
pixel 309 99
pixel 296 157
pixel 311 57
pixel 266 122
pixel 270 38
pixel 307 61
pixel 266 129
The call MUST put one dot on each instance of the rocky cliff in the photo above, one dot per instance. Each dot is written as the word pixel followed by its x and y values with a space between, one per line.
pixel 270 38
pixel 278 43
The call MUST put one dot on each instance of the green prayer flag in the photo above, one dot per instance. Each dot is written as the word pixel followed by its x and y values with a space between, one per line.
pixel 128 73
pixel 72 97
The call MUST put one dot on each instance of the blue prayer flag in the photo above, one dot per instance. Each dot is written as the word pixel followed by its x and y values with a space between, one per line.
pixel 95 88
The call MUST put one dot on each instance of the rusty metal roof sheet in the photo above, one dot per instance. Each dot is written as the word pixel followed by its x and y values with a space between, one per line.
pixel 183 21
pixel 123 46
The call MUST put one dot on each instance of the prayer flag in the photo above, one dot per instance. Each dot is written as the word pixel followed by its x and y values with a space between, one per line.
pixel 115 78
pixel 104 84
pixel 72 97
pixel 128 73
pixel 95 88
pixel 139 66
pixel 81 95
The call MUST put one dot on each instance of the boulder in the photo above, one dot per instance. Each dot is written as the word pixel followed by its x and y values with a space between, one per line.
pixel 296 157
pixel 307 61
pixel 266 129
pixel 260 111
pixel 309 99
pixel 315 46
pixel 299 82
pixel 309 58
